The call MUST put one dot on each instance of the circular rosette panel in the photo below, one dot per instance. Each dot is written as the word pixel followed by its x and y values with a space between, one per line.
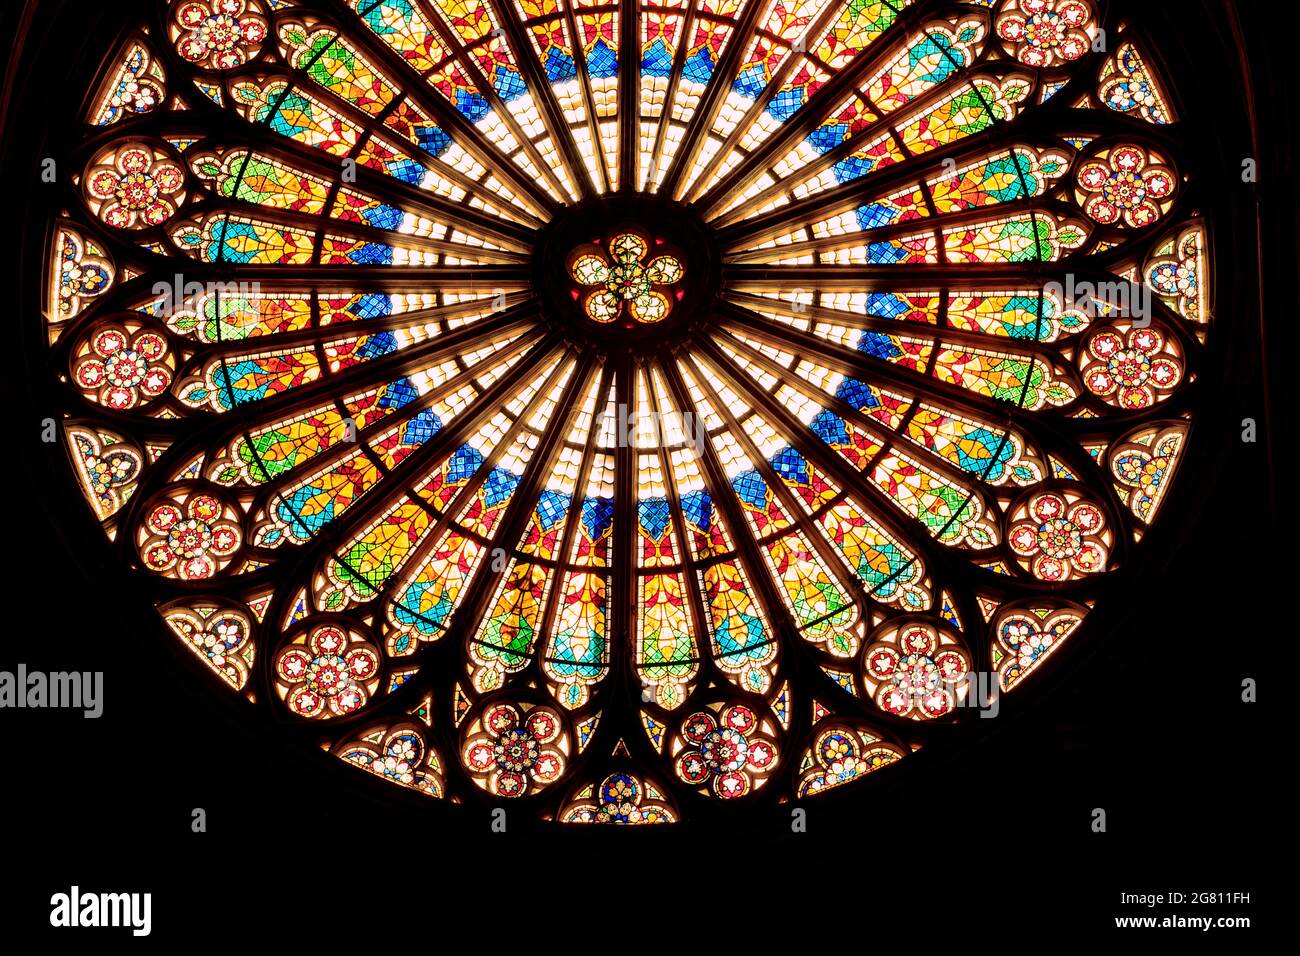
pixel 1060 535
pixel 327 669
pixel 217 34
pixel 123 365
pixel 516 750
pixel 190 532
pixel 918 669
pixel 725 750
pixel 134 185
pixel 567 386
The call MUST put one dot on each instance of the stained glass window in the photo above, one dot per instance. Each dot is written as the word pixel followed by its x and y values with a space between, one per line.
pixel 612 407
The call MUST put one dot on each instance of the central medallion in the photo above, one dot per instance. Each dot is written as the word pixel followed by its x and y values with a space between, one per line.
pixel 631 277
pixel 627 269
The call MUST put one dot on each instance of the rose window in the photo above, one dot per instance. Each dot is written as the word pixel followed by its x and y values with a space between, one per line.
pixel 628 421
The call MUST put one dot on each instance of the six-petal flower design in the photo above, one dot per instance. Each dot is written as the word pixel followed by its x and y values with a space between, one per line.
pixel 915 671
pixel 123 366
pixel 514 753
pixel 190 539
pixel 134 186
pixel 1131 369
pixel 218 34
pixel 1126 185
pixel 1046 33
pixel 328 668
pixel 729 749
pixel 1059 536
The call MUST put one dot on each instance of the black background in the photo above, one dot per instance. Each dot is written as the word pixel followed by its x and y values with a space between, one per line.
pixel 1147 723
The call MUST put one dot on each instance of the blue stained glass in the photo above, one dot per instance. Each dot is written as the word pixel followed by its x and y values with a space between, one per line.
pixel 885 252
pixel 384 217
pixel 499 486
pixel 786 103
pixel 858 394
pixel 790 466
pixel 658 61
pixel 751 489
pixel 753 644
pixel 699 65
pixel 373 346
pixel 597 515
pixel 463 465
pixel 830 428
pixel 751 81
pixel 875 215
pixel 372 254
pixel 552 506
pixel 220 249
pixel 886 305
pixel 471 105
pixel 601 60
pixel 371 305
pixel 227 377
pixel 854 167
pixel 430 619
pixel 697 506
pixel 992 464
pixel 407 170
pixel 508 84
pixel 825 138
pixel 945 63
pixel 398 394
pixel 372 11
pixel 292 105
pixel 421 428
pixel 653 515
pixel 303 526
pixel 432 140
pixel 879 345
pixel 559 66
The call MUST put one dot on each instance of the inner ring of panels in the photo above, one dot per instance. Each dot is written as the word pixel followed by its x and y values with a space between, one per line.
pixel 938 396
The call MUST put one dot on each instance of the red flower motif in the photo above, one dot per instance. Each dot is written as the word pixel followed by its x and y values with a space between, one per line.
pixel 1131 371
pixel 122 367
pixel 731 750
pixel 330 668
pixel 1060 536
pixel 218 34
pixel 134 187
pixel 1126 184
pixel 915 673
pixel 191 541
pixel 1046 33
pixel 510 755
